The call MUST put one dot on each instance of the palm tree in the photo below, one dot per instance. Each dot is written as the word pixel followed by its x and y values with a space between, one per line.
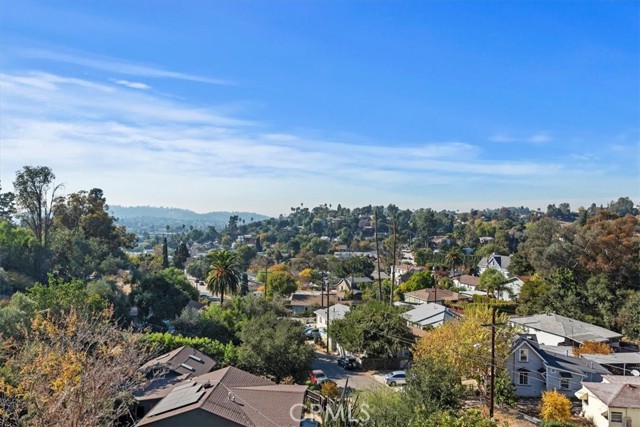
pixel 224 273
pixel 453 258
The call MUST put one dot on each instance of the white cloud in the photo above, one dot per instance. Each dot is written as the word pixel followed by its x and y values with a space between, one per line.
pixel 113 65
pixel 133 85
pixel 537 138
pixel 147 149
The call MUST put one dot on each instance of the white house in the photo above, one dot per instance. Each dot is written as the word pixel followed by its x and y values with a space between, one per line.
pixel 429 315
pixel 495 262
pixel 611 404
pixel 336 312
pixel 553 329
pixel 467 282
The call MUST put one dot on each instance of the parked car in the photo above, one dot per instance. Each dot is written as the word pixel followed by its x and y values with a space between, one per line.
pixel 348 362
pixel 396 378
pixel 311 334
pixel 318 376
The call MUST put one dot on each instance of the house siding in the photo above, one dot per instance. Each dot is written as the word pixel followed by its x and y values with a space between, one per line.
pixel 593 408
pixel 537 382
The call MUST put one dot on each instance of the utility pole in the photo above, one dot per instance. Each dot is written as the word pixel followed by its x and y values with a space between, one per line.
pixel 375 230
pixel 328 305
pixel 493 359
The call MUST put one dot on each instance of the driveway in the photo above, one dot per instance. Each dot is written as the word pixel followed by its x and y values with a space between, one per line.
pixel 357 380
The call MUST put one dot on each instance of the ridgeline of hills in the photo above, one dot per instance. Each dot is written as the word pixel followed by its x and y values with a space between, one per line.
pixel 148 218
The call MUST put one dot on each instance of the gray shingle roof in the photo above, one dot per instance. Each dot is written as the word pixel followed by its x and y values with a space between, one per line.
pixel 429 314
pixel 618 395
pixel 336 312
pixel 566 327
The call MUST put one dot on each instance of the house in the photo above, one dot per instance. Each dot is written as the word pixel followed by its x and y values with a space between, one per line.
pixel 615 402
pixel 402 272
pixel 308 300
pixel 352 284
pixel 466 282
pixel 622 362
pixel 228 397
pixel 167 370
pixel 534 370
pixel 495 262
pixel 429 315
pixel 511 289
pixel 424 296
pixel 553 329
pixel 336 312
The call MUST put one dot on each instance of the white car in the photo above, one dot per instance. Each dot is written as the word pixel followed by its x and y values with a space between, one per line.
pixel 396 378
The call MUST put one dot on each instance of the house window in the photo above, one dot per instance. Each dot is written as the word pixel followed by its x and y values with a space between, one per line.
pixel 524 378
pixel 523 355
pixel 565 383
pixel 616 417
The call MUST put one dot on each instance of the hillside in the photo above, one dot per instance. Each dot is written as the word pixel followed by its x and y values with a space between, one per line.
pixel 150 218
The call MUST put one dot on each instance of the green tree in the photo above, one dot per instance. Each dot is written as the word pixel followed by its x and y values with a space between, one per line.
pixel 275 348
pixel 491 281
pixel 35 195
pixel 224 273
pixel 374 328
pixel 434 385
pixel 419 280
pixel 453 258
pixel 7 204
pixel 178 279
pixel 281 283
pixel 158 299
pixel 165 253
pixel 628 316
pixel 181 255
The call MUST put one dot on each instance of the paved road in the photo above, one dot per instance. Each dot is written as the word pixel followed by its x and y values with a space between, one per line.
pixel 357 380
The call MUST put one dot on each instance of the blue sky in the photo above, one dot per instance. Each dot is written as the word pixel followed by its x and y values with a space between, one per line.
pixel 260 106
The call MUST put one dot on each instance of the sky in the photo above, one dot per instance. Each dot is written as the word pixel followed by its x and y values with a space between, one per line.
pixel 263 105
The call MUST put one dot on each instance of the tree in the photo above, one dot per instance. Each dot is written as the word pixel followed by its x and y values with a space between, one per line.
pixel 224 273
pixel 165 253
pixel 281 283
pixel 158 299
pixel 434 385
pixel 275 348
pixel 453 258
pixel 592 347
pixel 628 317
pixel 492 248
pixel 36 194
pixel 465 343
pixel 374 328
pixel 76 369
pixel 419 280
pixel 555 407
pixel 7 204
pixel 181 255
pixel 622 207
pixel 492 281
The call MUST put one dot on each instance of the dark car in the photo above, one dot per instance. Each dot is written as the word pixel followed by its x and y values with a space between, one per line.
pixel 311 334
pixel 348 362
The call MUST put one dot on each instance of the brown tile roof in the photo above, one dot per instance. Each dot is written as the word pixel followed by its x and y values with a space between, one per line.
pixel 616 395
pixel 429 295
pixel 242 398
pixel 182 360
pixel 469 280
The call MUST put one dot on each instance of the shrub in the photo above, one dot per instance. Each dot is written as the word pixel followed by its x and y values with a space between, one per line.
pixel 555 407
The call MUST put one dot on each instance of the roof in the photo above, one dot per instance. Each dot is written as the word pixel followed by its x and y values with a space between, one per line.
pixel 466 279
pixel 182 360
pixel 617 395
pixel 311 300
pixel 336 312
pixel 235 395
pixel 429 314
pixel 502 261
pixel 429 295
pixel 566 327
pixel 621 379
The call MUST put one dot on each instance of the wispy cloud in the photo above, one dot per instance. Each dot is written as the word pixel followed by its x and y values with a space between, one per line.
pixel 117 66
pixel 133 85
pixel 536 138
pixel 144 146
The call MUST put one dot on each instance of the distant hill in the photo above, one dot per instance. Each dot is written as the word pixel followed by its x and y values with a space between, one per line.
pixel 149 218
